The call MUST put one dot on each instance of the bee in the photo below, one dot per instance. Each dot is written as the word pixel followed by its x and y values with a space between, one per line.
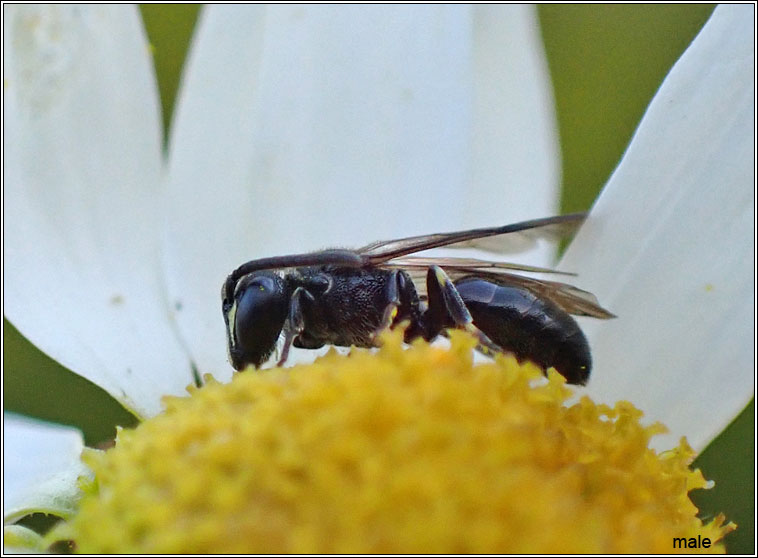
pixel 348 297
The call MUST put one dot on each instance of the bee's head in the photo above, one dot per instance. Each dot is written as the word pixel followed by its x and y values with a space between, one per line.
pixel 254 308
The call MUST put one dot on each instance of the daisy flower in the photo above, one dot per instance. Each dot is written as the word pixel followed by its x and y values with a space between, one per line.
pixel 296 128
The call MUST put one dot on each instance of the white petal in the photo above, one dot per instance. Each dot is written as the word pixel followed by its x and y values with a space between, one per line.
pixel 41 464
pixel 668 246
pixel 516 159
pixel 82 171
pixel 303 127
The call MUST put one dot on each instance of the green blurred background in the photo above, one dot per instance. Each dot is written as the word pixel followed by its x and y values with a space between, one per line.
pixel 606 63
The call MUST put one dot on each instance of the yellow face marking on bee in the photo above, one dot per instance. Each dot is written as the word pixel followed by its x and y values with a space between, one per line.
pixel 231 319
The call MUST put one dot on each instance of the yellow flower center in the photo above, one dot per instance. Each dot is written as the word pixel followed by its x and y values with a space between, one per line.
pixel 401 451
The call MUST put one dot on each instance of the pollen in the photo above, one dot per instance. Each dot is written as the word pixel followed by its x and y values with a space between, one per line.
pixel 393 451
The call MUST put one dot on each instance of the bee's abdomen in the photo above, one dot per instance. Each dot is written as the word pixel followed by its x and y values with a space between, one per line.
pixel 531 328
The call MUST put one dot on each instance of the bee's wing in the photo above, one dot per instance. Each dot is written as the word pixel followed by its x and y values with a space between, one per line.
pixel 571 299
pixel 472 265
pixel 506 239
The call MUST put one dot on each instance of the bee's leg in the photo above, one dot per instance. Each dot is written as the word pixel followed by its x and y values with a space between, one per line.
pixel 400 296
pixel 295 323
pixel 447 309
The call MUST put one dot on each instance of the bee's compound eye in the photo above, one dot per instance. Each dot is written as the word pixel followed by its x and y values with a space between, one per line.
pixel 261 311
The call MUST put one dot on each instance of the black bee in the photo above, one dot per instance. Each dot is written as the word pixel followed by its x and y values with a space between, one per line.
pixel 347 297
